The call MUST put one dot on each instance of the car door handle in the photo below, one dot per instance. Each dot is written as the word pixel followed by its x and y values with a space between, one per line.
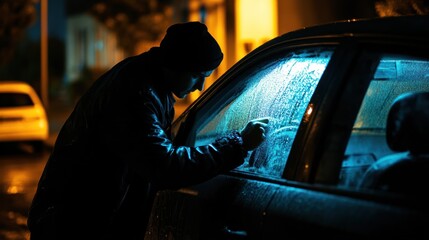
pixel 235 234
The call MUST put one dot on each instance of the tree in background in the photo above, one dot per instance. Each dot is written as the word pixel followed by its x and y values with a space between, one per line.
pixel 15 17
pixel 132 21
pixel 386 8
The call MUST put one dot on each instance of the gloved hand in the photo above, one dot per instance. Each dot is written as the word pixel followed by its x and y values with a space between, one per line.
pixel 254 133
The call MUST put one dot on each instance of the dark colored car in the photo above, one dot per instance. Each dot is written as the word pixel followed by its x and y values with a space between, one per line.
pixel 328 90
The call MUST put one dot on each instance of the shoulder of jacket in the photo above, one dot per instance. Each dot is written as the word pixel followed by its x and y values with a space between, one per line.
pixel 149 94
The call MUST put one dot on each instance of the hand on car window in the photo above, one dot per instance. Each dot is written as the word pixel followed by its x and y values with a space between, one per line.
pixel 254 133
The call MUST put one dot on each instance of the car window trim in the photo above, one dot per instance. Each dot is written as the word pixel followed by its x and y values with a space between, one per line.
pixel 342 119
pixel 302 161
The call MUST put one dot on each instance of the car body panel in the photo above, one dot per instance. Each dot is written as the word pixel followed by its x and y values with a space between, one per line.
pixel 300 213
pixel 24 119
pixel 218 202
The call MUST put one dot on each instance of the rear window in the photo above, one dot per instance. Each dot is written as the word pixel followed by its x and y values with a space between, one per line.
pixel 9 99
pixel 395 75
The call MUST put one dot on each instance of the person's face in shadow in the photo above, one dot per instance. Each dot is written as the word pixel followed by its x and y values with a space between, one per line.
pixel 183 83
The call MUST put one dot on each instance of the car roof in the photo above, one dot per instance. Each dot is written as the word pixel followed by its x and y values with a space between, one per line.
pixel 16 86
pixel 20 87
pixel 405 26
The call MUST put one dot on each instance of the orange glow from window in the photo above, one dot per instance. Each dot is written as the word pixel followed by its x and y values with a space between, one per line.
pixel 256 24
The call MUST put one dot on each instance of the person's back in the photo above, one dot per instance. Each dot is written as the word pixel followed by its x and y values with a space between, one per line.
pixel 85 183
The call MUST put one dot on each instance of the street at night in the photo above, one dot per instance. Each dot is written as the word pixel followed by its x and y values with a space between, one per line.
pixel 20 171
pixel 19 174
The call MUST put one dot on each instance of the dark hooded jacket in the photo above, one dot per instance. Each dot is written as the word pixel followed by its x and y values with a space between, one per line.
pixel 115 152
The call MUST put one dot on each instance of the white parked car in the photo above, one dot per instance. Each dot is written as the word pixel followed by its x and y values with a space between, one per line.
pixel 22 115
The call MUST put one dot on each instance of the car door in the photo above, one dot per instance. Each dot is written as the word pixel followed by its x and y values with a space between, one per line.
pixel 274 82
pixel 344 137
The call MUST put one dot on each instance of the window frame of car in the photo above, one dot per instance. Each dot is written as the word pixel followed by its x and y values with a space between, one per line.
pixel 190 119
pixel 309 162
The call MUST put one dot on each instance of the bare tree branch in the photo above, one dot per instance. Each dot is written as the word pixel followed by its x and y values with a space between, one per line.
pixel 386 8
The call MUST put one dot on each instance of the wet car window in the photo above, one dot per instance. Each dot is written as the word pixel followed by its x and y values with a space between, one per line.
pixel 279 88
pixel 395 75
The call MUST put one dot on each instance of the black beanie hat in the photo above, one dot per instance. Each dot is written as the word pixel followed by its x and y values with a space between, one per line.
pixel 190 47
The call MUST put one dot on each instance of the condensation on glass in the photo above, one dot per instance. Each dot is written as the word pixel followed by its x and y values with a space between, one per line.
pixel 279 88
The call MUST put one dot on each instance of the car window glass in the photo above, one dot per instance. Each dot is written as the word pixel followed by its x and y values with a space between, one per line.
pixel 15 100
pixel 395 75
pixel 280 88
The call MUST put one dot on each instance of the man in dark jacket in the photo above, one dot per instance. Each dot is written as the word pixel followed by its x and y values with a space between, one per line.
pixel 114 152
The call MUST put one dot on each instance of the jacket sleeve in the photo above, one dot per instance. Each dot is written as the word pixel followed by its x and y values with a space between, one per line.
pixel 134 134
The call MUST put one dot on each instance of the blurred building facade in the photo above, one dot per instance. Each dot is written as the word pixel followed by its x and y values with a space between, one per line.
pixel 90 45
